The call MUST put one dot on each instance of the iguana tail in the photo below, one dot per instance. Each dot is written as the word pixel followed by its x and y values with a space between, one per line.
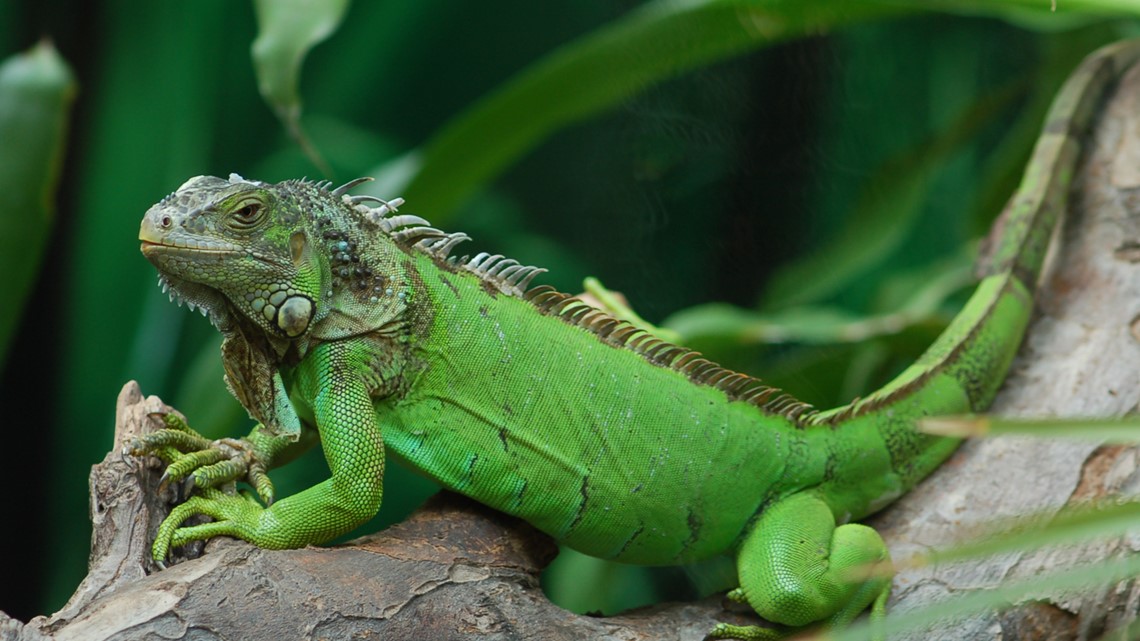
pixel 1020 238
pixel 974 353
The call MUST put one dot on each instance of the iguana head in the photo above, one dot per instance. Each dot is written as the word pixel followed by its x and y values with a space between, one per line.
pixel 295 258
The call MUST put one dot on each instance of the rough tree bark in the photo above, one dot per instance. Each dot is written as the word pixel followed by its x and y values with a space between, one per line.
pixel 457 570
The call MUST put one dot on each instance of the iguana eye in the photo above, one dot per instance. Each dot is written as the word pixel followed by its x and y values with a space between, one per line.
pixel 247 215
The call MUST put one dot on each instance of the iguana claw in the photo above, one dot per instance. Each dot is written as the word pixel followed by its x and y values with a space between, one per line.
pixel 200 462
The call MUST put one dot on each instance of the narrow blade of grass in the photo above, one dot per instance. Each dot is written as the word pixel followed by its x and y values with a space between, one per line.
pixel 1121 430
pixel 1097 574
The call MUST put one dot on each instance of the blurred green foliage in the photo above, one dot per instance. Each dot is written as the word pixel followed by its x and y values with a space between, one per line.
pixel 820 165
pixel 36 90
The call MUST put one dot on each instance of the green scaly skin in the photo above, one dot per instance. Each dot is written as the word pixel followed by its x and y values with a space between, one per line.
pixel 350 323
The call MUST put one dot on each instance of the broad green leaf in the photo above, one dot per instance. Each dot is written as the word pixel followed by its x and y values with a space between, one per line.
pixel 36 92
pixel 287 30
pixel 1040 15
pixel 657 41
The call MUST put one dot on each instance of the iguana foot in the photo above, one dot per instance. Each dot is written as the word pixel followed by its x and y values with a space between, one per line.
pixel 760 633
pixel 201 462
pixel 234 515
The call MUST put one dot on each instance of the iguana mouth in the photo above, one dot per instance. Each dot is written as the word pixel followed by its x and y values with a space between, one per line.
pixel 152 250
pixel 149 246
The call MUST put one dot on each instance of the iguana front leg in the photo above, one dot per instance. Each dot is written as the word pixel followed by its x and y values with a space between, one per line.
pixel 354 450
pixel 795 568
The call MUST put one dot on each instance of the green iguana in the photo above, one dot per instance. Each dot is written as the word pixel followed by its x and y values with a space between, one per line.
pixel 356 324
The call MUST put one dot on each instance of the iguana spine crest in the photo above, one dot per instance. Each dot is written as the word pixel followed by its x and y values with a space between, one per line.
pixel 513 278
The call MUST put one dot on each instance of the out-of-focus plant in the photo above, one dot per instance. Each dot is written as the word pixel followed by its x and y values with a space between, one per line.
pixel 36 92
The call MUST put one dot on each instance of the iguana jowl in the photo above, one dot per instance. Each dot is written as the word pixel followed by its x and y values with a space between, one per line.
pixel 358 325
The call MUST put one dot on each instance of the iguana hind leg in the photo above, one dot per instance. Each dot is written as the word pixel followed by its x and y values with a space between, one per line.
pixel 796 568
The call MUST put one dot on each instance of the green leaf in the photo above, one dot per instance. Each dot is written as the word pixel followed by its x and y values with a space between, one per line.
pixel 821 325
pixel 1076 524
pixel 655 42
pixel 1040 15
pixel 287 30
pixel 36 92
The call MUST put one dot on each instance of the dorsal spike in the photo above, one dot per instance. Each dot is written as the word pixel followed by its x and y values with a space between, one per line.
pixel 605 326
pixel 477 259
pixel 620 335
pixel 406 220
pixel 762 395
pixel 568 303
pixel 444 248
pixel 524 282
pixel 685 359
pixel 386 206
pixel 413 235
pixel 489 264
pixel 537 291
pixel 343 189
pixel 377 214
pixel 497 270
pixel 576 316
pixel 797 409
pixel 508 273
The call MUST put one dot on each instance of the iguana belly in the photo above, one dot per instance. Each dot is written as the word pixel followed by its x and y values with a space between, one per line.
pixel 633 480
